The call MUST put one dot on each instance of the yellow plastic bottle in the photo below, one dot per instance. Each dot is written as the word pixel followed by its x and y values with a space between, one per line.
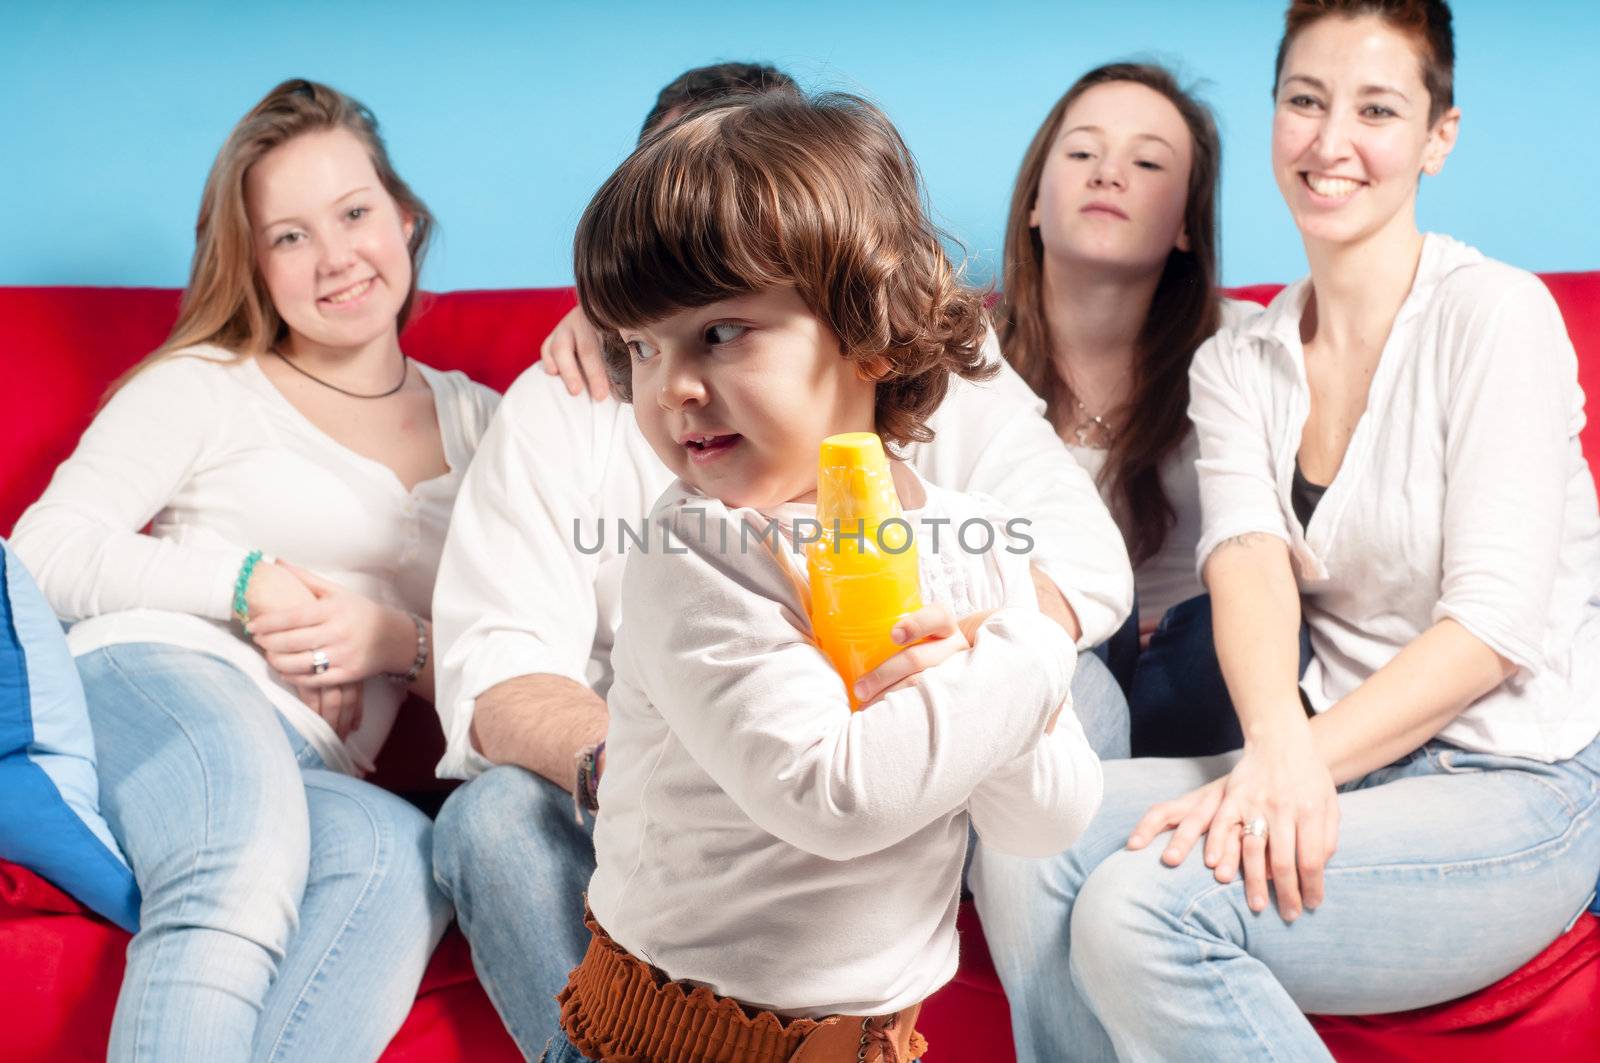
pixel 864 568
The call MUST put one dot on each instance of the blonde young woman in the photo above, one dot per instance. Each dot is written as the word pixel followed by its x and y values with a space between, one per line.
pixel 1390 450
pixel 246 655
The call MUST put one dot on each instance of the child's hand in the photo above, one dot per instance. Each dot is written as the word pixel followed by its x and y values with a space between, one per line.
pixel 931 635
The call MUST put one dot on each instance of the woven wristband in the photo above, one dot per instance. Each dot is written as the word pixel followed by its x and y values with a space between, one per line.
pixel 241 608
pixel 586 787
pixel 419 662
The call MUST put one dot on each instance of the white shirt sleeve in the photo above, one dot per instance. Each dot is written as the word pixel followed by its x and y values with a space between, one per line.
pixel 515 594
pixel 1512 417
pixel 992 438
pixel 81 540
pixel 1041 802
pixel 719 647
pixel 1238 488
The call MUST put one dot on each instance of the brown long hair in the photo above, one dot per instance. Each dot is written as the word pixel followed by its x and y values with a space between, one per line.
pixel 748 193
pixel 1184 311
pixel 226 302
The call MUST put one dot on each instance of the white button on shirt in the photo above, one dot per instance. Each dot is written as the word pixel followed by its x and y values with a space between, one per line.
pixel 1464 493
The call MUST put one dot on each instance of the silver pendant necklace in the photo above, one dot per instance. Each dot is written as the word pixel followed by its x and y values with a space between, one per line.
pixel 1083 430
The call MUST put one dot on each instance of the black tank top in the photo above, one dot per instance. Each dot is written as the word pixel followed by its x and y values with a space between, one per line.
pixel 1304 495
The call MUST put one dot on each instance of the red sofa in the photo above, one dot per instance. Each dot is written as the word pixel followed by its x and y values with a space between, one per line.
pixel 60 966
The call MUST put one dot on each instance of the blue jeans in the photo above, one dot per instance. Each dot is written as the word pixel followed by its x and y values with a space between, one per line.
pixel 559 1049
pixel 288 910
pixel 509 853
pixel 1178 704
pixel 1453 869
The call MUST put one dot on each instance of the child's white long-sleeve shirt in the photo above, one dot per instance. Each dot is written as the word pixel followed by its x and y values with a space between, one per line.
pixel 759 838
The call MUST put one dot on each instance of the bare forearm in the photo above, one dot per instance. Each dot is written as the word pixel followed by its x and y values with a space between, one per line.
pixel 1053 603
pixel 538 722
pixel 1407 701
pixel 1255 616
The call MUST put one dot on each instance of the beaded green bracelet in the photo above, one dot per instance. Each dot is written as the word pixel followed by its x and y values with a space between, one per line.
pixel 241 609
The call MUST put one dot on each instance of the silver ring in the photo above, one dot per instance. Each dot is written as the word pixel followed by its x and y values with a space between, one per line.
pixel 1256 828
pixel 319 662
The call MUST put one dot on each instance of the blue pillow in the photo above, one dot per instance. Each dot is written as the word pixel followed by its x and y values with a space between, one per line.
pixel 50 818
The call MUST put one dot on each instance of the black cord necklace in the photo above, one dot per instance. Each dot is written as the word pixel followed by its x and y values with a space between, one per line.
pixel 405 373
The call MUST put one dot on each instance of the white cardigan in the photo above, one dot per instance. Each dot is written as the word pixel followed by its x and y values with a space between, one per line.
pixel 1464 494
pixel 758 837
pixel 207 451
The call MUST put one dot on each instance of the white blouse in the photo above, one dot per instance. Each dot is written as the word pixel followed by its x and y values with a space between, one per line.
pixel 1464 493
pixel 758 837
pixel 210 454
pixel 1167 577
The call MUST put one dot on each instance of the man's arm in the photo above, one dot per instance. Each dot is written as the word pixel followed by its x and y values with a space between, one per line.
pixel 515 606
pixel 538 722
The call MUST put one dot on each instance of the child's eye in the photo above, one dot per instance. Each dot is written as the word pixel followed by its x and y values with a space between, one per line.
pixel 357 213
pixel 724 332
pixel 639 350
pixel 289 238
pixel 1077 154
pixel 1146 164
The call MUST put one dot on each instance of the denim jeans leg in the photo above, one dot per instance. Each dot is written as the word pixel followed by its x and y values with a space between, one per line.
pixel 369 922
pixel 1025 905
pixel 1427 900
pixel 205 796
pixel 509 853
pixel 559 1049
pixel 1101 708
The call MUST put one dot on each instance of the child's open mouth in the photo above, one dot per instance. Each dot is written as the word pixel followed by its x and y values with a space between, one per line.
pixel 705 448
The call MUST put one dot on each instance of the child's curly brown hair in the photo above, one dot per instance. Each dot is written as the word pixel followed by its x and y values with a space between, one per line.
pixel 751 193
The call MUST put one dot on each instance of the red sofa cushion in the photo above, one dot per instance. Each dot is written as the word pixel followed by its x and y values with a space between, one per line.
pixel 60 967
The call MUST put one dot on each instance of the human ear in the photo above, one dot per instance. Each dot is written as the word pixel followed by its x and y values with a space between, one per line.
pixel 1183 237
pixel 1441 141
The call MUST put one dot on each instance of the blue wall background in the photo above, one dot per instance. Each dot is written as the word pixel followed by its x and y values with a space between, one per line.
pixel 506 116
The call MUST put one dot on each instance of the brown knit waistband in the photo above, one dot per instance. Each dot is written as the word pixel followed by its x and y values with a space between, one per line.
pixel 618 1009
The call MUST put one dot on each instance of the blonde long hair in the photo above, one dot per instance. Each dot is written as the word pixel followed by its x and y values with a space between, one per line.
pixel 226 302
